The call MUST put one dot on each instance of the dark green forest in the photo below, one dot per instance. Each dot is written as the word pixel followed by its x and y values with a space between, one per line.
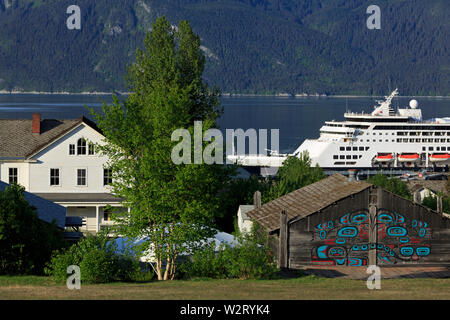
pixel 252 46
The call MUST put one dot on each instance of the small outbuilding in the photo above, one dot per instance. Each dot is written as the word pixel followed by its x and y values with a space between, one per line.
pixel 46 210
pixel 337 222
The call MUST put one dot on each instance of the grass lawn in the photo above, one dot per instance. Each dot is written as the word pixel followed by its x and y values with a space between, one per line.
pixel 307 287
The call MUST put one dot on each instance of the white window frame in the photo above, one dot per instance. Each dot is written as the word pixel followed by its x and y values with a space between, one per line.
pixel 86 177
pixel 106 185
pixel 89 144
pixel 17 175
pixel 74 149
pixel 85 147
pixel 59 177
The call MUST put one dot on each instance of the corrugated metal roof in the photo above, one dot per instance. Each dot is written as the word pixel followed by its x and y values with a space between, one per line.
pixel 46 210
pixel 306 201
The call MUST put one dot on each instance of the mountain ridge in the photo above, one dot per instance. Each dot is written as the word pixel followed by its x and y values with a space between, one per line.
pixel 252 46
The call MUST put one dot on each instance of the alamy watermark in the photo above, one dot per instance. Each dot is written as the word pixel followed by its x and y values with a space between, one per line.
pixel 374 20
pixel 213 153
pixel 74 20
pixel 374 280
pixel 74 279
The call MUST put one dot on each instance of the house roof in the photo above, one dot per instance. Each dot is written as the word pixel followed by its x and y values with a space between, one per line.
pixel 244 208
pixel 18 142
pixel 433 185
pixel 46 210
pixel 307 200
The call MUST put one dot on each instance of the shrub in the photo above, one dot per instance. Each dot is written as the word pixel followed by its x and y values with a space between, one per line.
pixel 250 259
pixel 98 266
pixel 206 262
pixel 57 267
pixel 26 242
pixel 98 262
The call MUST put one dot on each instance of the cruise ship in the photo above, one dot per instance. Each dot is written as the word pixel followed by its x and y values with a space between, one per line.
pixel 384 138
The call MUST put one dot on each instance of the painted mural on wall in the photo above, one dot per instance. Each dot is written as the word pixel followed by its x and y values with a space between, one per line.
pixel 345 241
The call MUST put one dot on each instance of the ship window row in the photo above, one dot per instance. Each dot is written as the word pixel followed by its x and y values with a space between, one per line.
pixel 437 148
pixel 348 156
pixel 412 127
pixel 377 119
pixel 354 148
pixel 350 163
pixel 381 140
pixel 425 133
pixel 368 133
pixel 404 140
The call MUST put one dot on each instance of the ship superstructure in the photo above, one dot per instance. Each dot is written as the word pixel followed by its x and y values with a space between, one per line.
pixel 384 138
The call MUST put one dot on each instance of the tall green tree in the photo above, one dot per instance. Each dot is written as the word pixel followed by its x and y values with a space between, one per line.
pixel 172 206
pixel 391 184
pixel 26 242
pixel 295 173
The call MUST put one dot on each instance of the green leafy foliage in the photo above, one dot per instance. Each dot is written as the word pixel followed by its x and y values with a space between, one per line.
pixel 96 256
pixel 266 46
pixel 172 205
pixel 430 201
pixel 295 173
pixel 26 242
pixel 391 184
pixel 251 258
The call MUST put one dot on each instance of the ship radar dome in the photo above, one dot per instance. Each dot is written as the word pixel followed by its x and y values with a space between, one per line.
pixel 413 104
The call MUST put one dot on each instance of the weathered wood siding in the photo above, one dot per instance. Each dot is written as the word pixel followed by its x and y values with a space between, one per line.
pixel 424 229
pixel 405 233
pixel 301 234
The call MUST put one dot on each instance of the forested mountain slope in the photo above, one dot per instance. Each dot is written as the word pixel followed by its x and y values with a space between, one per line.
pixel 252 46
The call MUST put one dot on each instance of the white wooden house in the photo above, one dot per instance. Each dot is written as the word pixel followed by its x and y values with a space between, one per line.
pixel 56 160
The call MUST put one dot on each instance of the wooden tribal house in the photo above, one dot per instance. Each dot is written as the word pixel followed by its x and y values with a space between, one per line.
pixel 337 222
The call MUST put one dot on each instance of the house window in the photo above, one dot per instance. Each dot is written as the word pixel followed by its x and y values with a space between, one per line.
pixel 13 175
pixel 91 149
pixel 81 177
pixel 71 149
pixel 107 177
pixel 81 146
pixel 106 215
pixel 54 177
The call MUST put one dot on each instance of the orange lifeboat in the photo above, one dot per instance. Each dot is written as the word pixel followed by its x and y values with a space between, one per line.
pixel 439 157
pixel 409 157
pixel 384 158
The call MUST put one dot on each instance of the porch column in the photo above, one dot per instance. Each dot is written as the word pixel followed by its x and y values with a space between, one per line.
pixel 97 215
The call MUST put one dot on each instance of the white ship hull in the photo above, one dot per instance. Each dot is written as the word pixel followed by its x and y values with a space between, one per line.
pixel 364 141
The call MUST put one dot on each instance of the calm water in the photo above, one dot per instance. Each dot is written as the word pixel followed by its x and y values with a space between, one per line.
pixel 296 118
